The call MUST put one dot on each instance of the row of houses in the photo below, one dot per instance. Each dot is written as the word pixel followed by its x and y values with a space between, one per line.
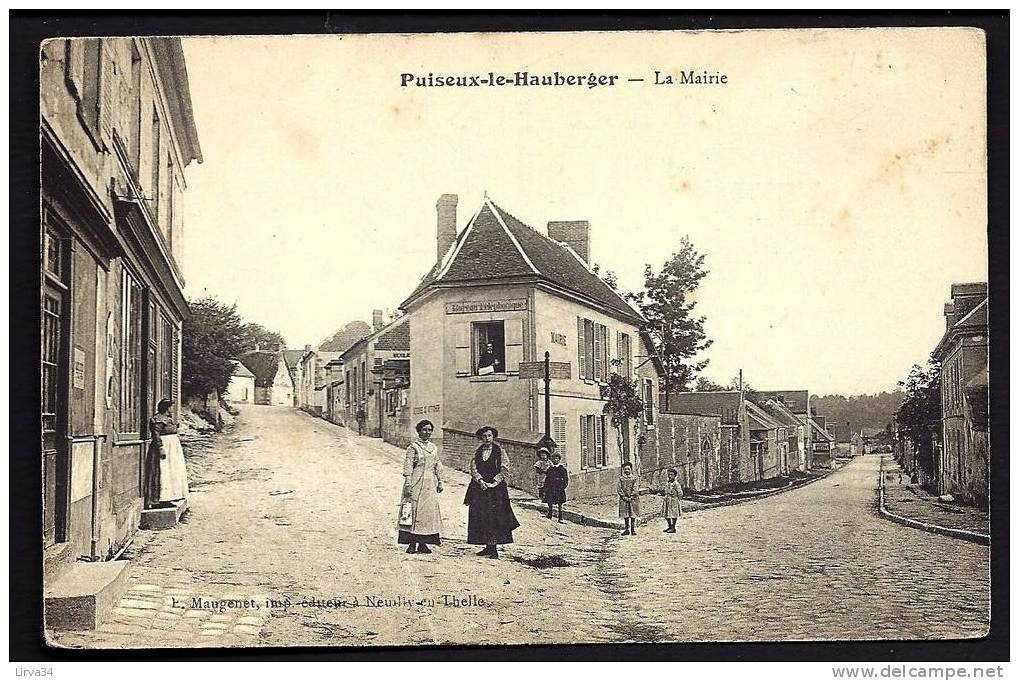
pixel 501 293
pixel 962 449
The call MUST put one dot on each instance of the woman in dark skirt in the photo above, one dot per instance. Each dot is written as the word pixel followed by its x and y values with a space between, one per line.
pixel 490 519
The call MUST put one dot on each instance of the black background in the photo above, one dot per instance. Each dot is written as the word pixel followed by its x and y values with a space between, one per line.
pixel 28 29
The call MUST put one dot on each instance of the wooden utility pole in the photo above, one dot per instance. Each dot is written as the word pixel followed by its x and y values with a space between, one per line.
pixel 548 399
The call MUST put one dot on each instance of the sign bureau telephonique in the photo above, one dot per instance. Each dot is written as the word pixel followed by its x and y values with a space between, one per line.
pixel 472 306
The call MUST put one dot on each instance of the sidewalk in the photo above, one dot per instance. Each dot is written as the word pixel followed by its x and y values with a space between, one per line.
pixel 908 501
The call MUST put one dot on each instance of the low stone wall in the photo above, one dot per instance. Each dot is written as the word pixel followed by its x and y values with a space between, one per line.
pixel 459 445
pixel 396 428
pixel 689 443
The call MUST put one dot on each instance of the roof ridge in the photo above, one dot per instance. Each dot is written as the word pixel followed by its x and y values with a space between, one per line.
pixel 454 250
pixel 497 211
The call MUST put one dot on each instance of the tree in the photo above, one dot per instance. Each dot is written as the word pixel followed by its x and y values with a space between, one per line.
pixel 919 416
pixel 706 385
pixel 678 333
pixel 257 336
pixel 623 402
pixel 610 278
pixel 212 335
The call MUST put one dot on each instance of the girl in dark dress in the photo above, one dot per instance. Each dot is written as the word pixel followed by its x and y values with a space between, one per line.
pixel 490 519
pixel 556 480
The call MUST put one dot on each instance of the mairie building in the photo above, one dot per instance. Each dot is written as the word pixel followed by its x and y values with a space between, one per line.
pixel 501 293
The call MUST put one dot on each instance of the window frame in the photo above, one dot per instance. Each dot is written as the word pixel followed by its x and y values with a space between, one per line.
pixel 475 340
pixel 131 368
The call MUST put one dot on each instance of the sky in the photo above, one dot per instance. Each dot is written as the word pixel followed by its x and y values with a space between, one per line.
pixel 836 183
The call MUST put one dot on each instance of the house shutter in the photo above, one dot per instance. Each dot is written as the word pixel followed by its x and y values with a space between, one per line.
pixel 75 65
pixel 599 352
pixel 463 349
pixel 627 357
pixel 581 344
pixel 107 91
pixel 176 367
pixel 620 366
pixel 559 434
pixel 584 443
pixel 514 329
pixel 598 422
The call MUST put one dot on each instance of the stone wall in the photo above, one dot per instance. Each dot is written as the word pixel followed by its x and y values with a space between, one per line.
pixel 459 444
pixel 687 442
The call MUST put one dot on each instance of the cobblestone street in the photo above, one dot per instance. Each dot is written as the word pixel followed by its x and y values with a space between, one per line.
pixel 289 511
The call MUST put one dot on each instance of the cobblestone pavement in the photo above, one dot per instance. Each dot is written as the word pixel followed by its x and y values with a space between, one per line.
pixel 292 521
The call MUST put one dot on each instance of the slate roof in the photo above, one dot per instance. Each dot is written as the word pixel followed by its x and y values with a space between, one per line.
pixel 263 365
pixel 718 403
pixel 241 370
pixel 974 320
pixel 820 431
pixel 396 338
pixel 292 358
pixel 345 337
pixel 780 413
pixel 794 400
pixel 760 418
pixel 496 245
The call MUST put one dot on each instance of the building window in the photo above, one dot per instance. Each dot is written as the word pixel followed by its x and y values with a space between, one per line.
pixel 592 350
pixel 154 186
pixel 559 434
pixel 488 339
pixel 592 442
pixel 135 142
pixel 51 313
pixel 131 355
pixel 649 402
pixel 624 354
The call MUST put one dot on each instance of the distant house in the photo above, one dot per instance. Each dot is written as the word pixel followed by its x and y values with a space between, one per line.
pixel 797 402
pixel 796 454
pixel 274 384
pixel 961 468
pixel 734 459
pixel 822 444
pixel 241 387
pixel 769 444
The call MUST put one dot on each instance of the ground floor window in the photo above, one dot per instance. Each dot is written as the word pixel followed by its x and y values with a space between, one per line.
pixel 592 441
pixel 559 434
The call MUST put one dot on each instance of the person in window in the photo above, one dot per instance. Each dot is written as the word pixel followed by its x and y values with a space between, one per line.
pixel 166 476
pixel 490 519
pixel 489 363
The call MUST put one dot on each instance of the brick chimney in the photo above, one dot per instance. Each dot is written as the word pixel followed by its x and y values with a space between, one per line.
pixel 445 233
pixel 950 316
pixel 377 319
pixel 574 233
pixel 967 296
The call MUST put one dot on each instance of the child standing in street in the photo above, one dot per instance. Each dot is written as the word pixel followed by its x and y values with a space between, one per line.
pixel 672 507
pixel 556 480
pixel 540 469
pixel 629 500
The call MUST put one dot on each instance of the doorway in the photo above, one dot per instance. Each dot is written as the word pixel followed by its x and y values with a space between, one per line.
pixel 54 403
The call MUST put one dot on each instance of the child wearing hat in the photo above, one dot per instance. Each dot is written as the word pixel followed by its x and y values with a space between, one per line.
pixel 540 469
pixel 556 480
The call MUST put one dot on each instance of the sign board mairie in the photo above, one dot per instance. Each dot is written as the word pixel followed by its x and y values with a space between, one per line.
pixel 558 370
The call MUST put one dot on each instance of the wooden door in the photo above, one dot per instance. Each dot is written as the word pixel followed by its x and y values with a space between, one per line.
pixel 54 359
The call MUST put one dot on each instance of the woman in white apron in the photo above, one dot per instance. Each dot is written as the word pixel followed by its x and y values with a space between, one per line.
pixel 420 521
pixel 166 476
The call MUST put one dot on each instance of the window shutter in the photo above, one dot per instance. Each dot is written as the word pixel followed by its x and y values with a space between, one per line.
pixel 620 366
pixel 584 444
pixel 589 349
pixel 598 422
pixel 581 344
pixel 599 352
pixel 107 91
pixel 514 329
pixel 627 357
pixel 463 349
pixel 75 65
pixel 559 434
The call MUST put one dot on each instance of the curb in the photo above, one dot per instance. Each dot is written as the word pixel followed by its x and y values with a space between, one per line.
pixel 953 532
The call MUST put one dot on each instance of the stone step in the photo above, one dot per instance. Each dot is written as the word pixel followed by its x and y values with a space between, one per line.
pixel 56 559
pixel 84 594
pixel 163 518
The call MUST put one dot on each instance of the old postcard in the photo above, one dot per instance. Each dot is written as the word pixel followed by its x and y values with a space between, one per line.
pixel 515 338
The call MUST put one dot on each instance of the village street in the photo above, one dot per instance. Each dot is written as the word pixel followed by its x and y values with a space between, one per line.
pixel 293 519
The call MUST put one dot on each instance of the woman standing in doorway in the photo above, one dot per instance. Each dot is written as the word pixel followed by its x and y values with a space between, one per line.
pixel 490 519
pixel 166 475
pixel 422 482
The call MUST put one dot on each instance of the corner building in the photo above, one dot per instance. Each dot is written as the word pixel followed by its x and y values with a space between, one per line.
pixel 502 293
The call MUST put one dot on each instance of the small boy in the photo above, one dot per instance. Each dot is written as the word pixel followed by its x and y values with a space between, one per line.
pixel 629 499
pixel 556 481
pixel 672 506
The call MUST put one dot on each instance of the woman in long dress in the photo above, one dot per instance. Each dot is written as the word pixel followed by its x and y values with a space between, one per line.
pixel 166 475
pixel 490 519
pixel 422 483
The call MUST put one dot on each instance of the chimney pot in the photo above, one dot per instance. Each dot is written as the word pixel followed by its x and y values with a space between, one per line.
pixel 445 233
pixel 377 319
pixel 574 233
